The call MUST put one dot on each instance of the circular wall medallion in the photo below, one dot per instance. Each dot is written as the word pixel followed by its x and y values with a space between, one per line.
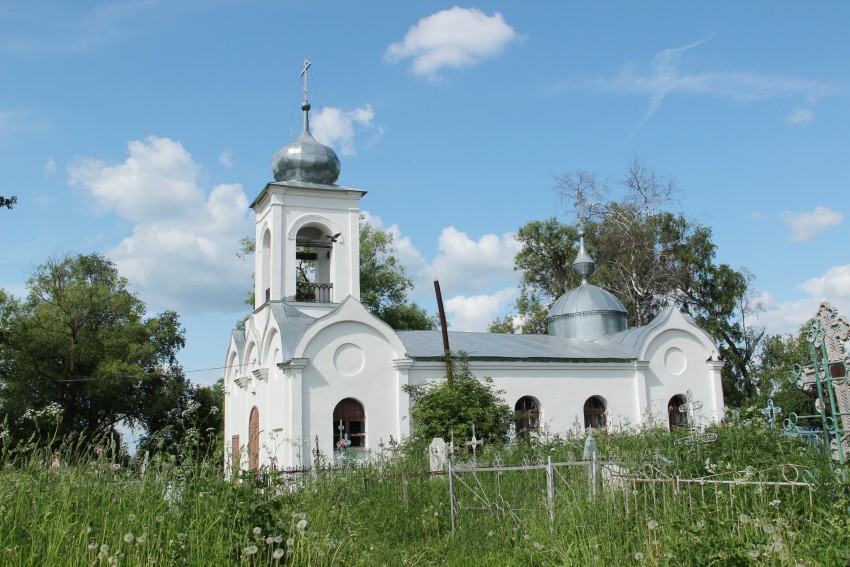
pixel 349 359
pixel 675 361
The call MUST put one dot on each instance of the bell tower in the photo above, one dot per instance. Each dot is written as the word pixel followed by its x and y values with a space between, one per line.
pixel 307 228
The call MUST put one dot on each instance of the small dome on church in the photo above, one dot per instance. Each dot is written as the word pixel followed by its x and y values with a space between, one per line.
pixel 305 159
pixel 586 312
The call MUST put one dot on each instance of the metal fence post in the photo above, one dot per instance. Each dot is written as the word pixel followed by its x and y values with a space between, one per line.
pixel 550 493
pixel 452 495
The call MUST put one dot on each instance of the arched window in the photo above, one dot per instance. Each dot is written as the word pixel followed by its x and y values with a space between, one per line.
pixel 527 414
pixel 594 413
pixel 350 415
pixel 677 417
pixel 254 439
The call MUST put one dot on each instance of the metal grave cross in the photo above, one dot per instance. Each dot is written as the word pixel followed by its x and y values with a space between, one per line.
pixel 771 411
pixel 474 443
pixel 689 408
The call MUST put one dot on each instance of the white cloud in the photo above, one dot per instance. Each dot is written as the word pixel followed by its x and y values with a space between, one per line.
pixel 833 286
pixel 464 265
pixel 181 254
pixel 799 115
pixel 475 313
pixel 477 279
pixel 788 316
pixel 225 158
pixel 336 127
pixel 50 167
pixel 666 77
pixel 806 225
pixel 158 180
pixel 453 38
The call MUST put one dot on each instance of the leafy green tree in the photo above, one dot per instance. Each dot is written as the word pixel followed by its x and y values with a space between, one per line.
pixel 777 356
pixel 445 406
pixel 648 257
pixel 384 285
pixel 80 340
pixel 8 202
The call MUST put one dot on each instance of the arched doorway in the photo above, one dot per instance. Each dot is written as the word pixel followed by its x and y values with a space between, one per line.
pixel 594 413
pixel 349 413
pixel 254 439
pixel 677 417
pixel 527 414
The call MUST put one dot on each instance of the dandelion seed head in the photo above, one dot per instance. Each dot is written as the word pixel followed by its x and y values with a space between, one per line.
pixel 538 546
pixel 754 553
pixel 132 517
pixel 638 556
pixel 104 548
pixel 301 525
pixel 525 537
pixel 769 528
pixel 129 537
pixel 159 519
pixel 744 519
pixel 92 546
pixel 250 550
pixel 290 542
pixel 142 538
pixel 257 531
pixel 277 554
pixel 181 537
pixel 490 533
pixel 651 524
pixel 775 503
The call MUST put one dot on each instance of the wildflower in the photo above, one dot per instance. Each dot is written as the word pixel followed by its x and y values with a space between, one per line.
pixel 277 539
pixel 757 523
pixel 142 538
pixel 537 546
pixel 290 542
pixel 159 519
pixel 638 556
pixel 277 554
pixel 635 492
pixel 301 525
pixel 775 503
pixel 111 560
pixel 744 519
pixel 88 529
pixel 490 533
pixel 92 546
pixel 769 528
pixel 104 549
pixel 132 517
pixel 436 514
pixel 525 537
pixel 651 524
pixel 754 553
pixel 250 550
pixel 269 540
pixel 257 531
pixel 129 537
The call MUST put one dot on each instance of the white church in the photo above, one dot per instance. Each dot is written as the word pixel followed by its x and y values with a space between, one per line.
pixel 313 366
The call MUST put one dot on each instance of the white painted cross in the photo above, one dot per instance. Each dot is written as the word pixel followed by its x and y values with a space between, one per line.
pixel 474 443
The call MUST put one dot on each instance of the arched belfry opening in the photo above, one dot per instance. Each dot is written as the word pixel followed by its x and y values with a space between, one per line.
pixel 594 413
pixel 266 260
pixel 314 260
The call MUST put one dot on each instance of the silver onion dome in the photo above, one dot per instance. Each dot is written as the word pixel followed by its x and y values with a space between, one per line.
pixel 586 312
pixel 305 159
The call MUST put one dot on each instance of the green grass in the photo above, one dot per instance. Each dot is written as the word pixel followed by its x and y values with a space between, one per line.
pixel 85 513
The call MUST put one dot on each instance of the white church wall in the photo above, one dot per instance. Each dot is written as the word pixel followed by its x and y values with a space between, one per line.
pixel 350 359
pixel 678 363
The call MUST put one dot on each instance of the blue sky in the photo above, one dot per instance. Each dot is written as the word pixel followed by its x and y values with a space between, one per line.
pixel 142 130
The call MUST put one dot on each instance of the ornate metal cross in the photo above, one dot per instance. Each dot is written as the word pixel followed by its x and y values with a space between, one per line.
pixel 474 443
pixel 771 412
pixel 689 408
pixel 307 65
pixel 827 374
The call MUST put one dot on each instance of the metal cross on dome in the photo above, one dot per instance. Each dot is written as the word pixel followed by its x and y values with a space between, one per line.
pixel 771 412
pixel 307 65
